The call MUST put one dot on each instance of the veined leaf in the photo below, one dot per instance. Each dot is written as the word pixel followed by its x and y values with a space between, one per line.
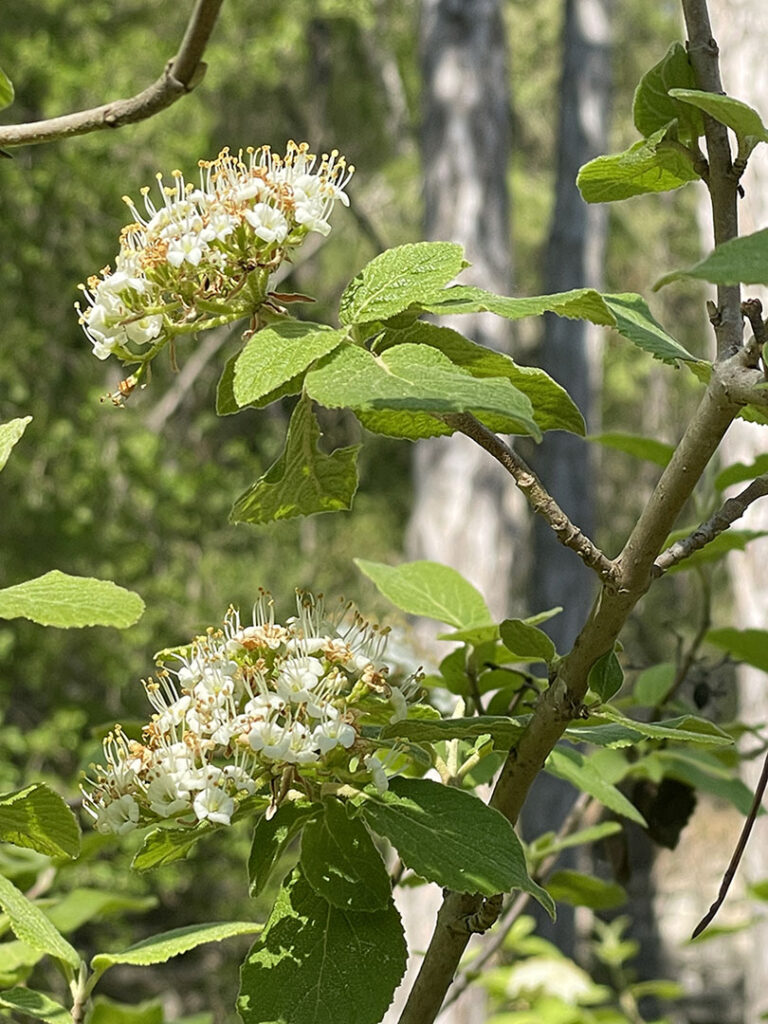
pixel 526 640
pixel 38 818
pixel 739 117
pixel 610 728
pixel 165 845
pixel 650 165
pixel 159 948
pixel 503 730
pixel 6 90
pixel 655 105
pixel 36 1005
pixel 553 408
pixel 57 599
pixel 278 354
pixel 10 432
pixel 341 863
pixel 635 322
pixel 647 448
pixel 582 890
pixel 31 926
pixel 416 379
pixel 577 304
pixel 571 765
pixel 81 905
pixel 318 964
pixel 429 589
pixel 653 685
pixel 398 278
pixel 271 837
pixel 450 837
pixel 749 645
pixel 741 260
pixel 606 676
pixel 304 480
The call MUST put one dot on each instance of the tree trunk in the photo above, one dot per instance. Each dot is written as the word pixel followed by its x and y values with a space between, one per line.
pixel 740 29
pixel 570 352
pixel 466 513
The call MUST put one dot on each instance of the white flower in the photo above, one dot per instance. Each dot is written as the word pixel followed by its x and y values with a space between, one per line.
pixel 268 223
pixel 119 816
pixel 333 733
pixel 376 769
pixel 164 798
pixel 297 678
pixel 214 804
pixel 270 740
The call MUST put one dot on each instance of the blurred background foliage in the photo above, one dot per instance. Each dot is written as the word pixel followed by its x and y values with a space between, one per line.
pixel 141 495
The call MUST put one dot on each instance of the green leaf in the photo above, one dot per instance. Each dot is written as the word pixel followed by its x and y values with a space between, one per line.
pixel 81 905
pixel 107 1012
pixel 652 686
pixel 749 645
pixel 585 890
pixel 739 117
pixel 553 408
pixel 636 323
pixel 159 948
pixel 546 846
pixel 57 599
pixel 504 730
pixel 278 354
pixel 11 431
pixel 707 774
pixel 651 165
pixel 416 379
pixel 647 448
pixel 611 728
pixel 165 845
pixel 341 863
pixel 304 480
pixel 606 676
pixel 271 838
pixel 6 90
pixel 31 926
pixel 35 1004
pixel 317 964
pixel 571 765
pixel 526 641
pixel 226 403
pixel 741 260
pixel 740 471
pixel 429 589
pixel 448 836
pixel 398 278
pixel 654 104
pixel 577 304
pixel 723 543
pixel 38 818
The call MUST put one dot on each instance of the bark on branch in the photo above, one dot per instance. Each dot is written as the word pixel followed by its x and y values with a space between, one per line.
pixel 725 517
pixel 537 496
pixel 180 76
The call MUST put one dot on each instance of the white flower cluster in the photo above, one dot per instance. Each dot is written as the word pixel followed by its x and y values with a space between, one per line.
pixel 245 708
pixel 203 255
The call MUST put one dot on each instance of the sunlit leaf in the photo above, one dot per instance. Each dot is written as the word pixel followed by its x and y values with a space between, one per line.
pixel 57 599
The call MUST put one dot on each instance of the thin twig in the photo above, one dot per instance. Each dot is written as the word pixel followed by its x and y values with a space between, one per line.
pixel 537 496
pixel 737 853
pixel 725 517
pixel 180 76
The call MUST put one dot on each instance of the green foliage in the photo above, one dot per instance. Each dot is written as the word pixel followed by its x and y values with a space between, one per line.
pixel 656 101
pixel 341 863
pixel 582 890
pixel 57 599
pixel 635 322
pixel 429 589
pixel 527 642
pixel 655 164
pixel 303 480
pixel 606 676
pixel 571 765
pixel 743 259
pixel 271 837
pixel 6 90
pixel 10 434
pixel 290 975
pixel 37 818
pixel 159 948
pixel 749 645
pixel 739 117
pixel 452 838
pixel 35 1005
pixel 647 448
pixel 32 927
